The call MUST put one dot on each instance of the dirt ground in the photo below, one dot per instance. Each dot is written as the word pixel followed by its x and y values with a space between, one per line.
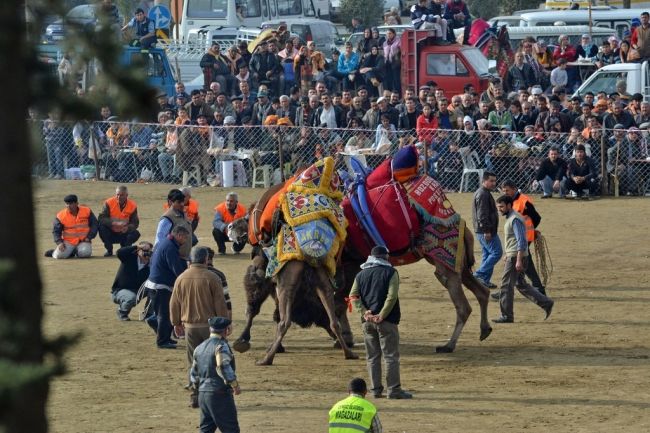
pixel 583 370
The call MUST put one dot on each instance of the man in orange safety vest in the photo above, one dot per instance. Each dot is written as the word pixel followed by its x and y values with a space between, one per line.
pixel 74 227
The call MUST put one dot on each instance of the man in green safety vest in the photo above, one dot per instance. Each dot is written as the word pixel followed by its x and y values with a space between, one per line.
pixel 355 414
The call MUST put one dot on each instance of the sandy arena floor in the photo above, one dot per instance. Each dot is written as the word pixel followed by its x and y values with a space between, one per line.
pixel 583 370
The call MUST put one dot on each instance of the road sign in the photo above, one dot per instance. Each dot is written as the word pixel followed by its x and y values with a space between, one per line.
pixel 161 16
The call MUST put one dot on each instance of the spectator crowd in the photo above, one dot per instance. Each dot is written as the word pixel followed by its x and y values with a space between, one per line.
pixel 286 106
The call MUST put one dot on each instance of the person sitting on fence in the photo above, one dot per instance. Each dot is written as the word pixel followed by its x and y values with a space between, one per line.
pixel 74 228
pixel 118 221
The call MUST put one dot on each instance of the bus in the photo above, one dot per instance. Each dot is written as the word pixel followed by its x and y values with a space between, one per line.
pixel 584 4
pixel 617 19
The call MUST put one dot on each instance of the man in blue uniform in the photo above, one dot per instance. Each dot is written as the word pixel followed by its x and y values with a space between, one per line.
pixel 213 373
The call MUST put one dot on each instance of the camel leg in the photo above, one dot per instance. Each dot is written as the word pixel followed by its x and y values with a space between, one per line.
pixel 346 332
pixel 288 281
pixel 451 281
pixel 482 294
pixel 325 292
pixel 257 291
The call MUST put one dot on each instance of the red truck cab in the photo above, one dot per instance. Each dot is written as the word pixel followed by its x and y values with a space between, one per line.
pixel 450 66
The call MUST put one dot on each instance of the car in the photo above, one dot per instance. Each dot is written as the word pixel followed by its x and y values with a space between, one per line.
pixel 82 16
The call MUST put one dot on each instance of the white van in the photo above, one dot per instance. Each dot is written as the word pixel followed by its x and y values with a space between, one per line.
pixel 618 19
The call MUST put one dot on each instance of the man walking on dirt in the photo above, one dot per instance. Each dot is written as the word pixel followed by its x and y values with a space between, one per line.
pixel 196 297
pixel 523 204
pixel 486 222
pixel 516 261
pixel 374 295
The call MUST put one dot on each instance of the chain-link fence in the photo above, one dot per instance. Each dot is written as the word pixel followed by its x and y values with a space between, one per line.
pixel 615 162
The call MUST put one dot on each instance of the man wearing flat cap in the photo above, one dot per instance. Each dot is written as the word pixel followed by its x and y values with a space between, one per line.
pixel 213 373
pixel 74 227
pixel 374 296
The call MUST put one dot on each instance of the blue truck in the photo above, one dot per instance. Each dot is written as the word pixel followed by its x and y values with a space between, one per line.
pixel 153 61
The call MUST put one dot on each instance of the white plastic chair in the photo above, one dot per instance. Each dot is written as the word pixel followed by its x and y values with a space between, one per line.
pixel 193 173
pixel 471 162
pixel 262 176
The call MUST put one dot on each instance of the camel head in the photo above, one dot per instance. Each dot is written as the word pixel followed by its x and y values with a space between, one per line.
pixel 238 230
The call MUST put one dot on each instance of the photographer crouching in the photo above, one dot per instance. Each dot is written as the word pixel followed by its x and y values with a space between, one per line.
pixel 133 271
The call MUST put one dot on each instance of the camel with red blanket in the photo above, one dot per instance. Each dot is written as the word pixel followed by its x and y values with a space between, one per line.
pixel 428 228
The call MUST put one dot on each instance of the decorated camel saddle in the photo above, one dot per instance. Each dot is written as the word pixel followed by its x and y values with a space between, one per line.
pixel 408 214
pixel 313 227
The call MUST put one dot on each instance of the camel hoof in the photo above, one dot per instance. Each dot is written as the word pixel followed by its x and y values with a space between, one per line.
pixel 444 349
pixel 351 355
pixel 241 346
pixel 349 344
pixel 485 333
pixel 263 362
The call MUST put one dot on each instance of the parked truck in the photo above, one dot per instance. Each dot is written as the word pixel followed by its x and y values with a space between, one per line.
pixel 635 75
pixel 450 66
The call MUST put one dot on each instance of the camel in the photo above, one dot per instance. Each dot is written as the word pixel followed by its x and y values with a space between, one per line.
pixel 258 288
pixel 297 282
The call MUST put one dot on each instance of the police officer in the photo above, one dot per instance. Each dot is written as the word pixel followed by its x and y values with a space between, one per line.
pixel 354 413
pixel 213 373
pixel 374 295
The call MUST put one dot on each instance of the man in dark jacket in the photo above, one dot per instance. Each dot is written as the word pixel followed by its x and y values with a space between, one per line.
pixel 552 174
pixel 166 266
pixel 486 221
pixel 520 75
pixel 582 175
pixel 133 271
pixel 265 66
pixel 216 67
pixel 374 295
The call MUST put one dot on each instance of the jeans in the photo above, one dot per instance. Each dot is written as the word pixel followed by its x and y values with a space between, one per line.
pixel 54 158
pixel 160 303
pixel 125 299
pixel 492 252
pixel 547 186
pixel 167 166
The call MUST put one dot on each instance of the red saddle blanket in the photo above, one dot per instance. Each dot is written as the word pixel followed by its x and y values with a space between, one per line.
pixel 395 219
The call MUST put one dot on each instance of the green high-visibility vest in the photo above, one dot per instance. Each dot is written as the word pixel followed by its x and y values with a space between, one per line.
pixel 351 415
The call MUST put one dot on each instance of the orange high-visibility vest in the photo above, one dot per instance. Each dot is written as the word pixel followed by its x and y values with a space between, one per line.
pixel 226 216
pixel 519 205
pixel 191 210
pixel 120 217
pixel 75 228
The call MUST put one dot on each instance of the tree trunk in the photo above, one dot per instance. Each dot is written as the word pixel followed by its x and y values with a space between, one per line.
pixel 24 380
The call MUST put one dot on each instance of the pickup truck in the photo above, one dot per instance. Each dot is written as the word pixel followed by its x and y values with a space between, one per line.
pixel 450 66
pixel 635 75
